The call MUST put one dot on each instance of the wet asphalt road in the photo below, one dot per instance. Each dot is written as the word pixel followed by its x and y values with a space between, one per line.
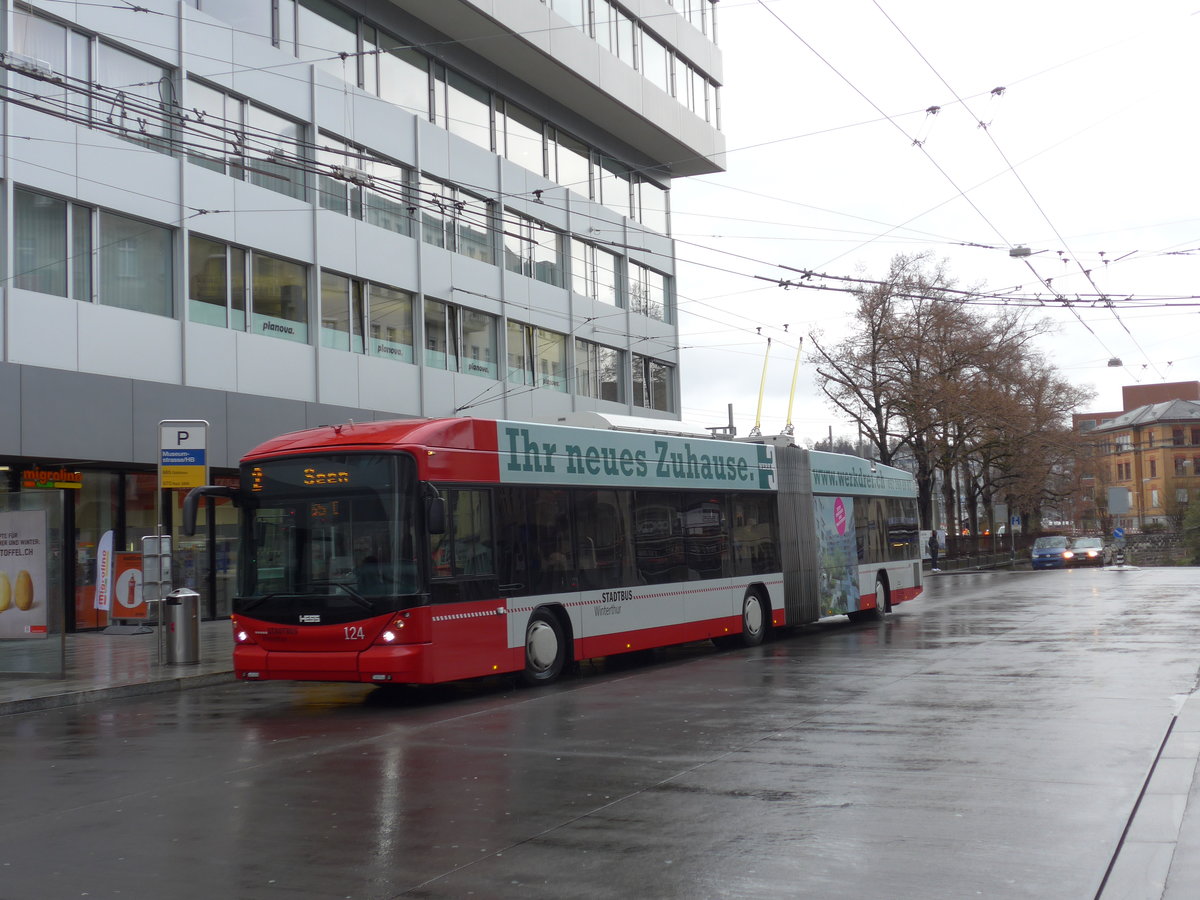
pixel 989 739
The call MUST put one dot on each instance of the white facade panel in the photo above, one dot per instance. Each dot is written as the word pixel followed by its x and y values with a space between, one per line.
pixel 42 330
pixel 211 359
pixel 274 223
pixel 154 36
pixel 338 378
pixel 390 386
pixel 128 344
pixel 44 150
pixel 274 367
pixel 384 257
pixel 129 179
pixel 374 123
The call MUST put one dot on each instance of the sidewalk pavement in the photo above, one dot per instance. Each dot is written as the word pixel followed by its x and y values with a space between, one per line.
pixel 1158 857
pixel 101 666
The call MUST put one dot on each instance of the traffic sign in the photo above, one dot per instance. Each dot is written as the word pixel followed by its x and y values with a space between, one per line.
pixel 1118 533
pixel 183 462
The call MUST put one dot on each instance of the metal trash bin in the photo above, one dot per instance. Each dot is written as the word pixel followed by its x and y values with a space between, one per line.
pixel 181 621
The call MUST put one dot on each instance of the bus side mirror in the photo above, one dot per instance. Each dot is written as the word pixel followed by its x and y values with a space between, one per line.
pixel 192 501
pixel 435 515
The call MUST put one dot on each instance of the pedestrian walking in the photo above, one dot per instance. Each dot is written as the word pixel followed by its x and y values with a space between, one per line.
pixel 933 552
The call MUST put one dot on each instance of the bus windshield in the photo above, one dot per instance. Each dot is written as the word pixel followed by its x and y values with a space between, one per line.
pixel 339 527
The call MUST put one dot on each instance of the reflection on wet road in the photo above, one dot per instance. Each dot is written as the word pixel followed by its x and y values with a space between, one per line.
pixel 989 738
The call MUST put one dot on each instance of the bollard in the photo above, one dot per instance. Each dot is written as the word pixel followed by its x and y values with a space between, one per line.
pixel 181 620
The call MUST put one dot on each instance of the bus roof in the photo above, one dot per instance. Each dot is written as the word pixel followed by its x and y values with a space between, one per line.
pixel 490 451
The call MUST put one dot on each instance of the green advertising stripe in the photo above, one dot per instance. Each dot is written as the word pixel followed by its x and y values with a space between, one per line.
pixel 536 454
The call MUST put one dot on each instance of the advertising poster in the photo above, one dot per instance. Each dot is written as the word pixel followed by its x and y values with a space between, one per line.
pixel 23 576
pixel 837 555
pixel 104 572
pixel 128 602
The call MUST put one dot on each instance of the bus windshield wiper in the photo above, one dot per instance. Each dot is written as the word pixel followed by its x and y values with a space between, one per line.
pixel 354 595
pixel 251 602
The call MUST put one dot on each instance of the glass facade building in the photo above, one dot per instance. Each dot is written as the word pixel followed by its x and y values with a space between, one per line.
pixel 272 214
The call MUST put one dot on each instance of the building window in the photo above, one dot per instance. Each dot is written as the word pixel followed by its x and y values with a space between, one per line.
pixel 519 135
pixel 532 249
pixel 66 52
pixel 279 298
pixel 463 107
pixel 1180 465
pixel 537 357
pixel 390 313
pixel 651 206
pixel 355 183
pixel 52 246
pixel 656 61
pixel 479 344
pixel 653 384
pixel 216 124
pixel 216 283
pixel 455 220
pixel 648 292
pixel 360 316
pixel 449 328
pixel 136 98
pixel 403 76
pixel 273 152
pixel 225 282
pixel 615 32
pixel 569 162
pixel 1181 495
pixel 231 135
pixel 1154 504
pixel 1154 468
pixel 53 255
pixel 129 96
pixel 247 18
pixel 615 186
pixel 597 371
pixel 1177 437
pixel 593 272
pixel 574 11
pixel 135 265
pixel 342 312
pixel 327 36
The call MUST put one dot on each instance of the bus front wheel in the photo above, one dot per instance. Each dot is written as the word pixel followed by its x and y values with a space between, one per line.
pixel 545 648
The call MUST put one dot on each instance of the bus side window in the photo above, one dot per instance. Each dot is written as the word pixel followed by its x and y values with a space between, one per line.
pixel 604 536
pixel 553 564
pixel 467 547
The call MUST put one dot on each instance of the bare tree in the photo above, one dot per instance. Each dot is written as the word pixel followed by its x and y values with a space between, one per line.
pixel 964 393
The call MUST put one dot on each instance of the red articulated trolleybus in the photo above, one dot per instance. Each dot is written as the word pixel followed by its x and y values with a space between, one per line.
pixel 424 551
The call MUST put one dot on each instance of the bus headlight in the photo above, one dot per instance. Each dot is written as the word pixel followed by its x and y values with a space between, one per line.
pixel 391 634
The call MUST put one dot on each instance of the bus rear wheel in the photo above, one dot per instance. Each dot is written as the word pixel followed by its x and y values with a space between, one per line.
pixel 754 620
pixel 876 613
pixel 545 648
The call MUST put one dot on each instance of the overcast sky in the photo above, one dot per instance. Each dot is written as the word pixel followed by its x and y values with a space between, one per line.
pixel 835 165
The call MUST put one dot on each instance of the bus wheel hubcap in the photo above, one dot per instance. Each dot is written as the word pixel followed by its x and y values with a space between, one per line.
pixel 754 616
pixel 541 646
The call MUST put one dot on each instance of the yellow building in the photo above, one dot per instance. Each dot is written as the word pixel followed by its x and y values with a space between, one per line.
pixel 1151 452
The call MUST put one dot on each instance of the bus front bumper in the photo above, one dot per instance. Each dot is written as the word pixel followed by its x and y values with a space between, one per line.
pixel 400 664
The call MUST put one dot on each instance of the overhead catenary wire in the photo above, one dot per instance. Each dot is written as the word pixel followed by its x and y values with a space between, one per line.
pixel 304 165
pixel 250 143
pixel 1011 169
